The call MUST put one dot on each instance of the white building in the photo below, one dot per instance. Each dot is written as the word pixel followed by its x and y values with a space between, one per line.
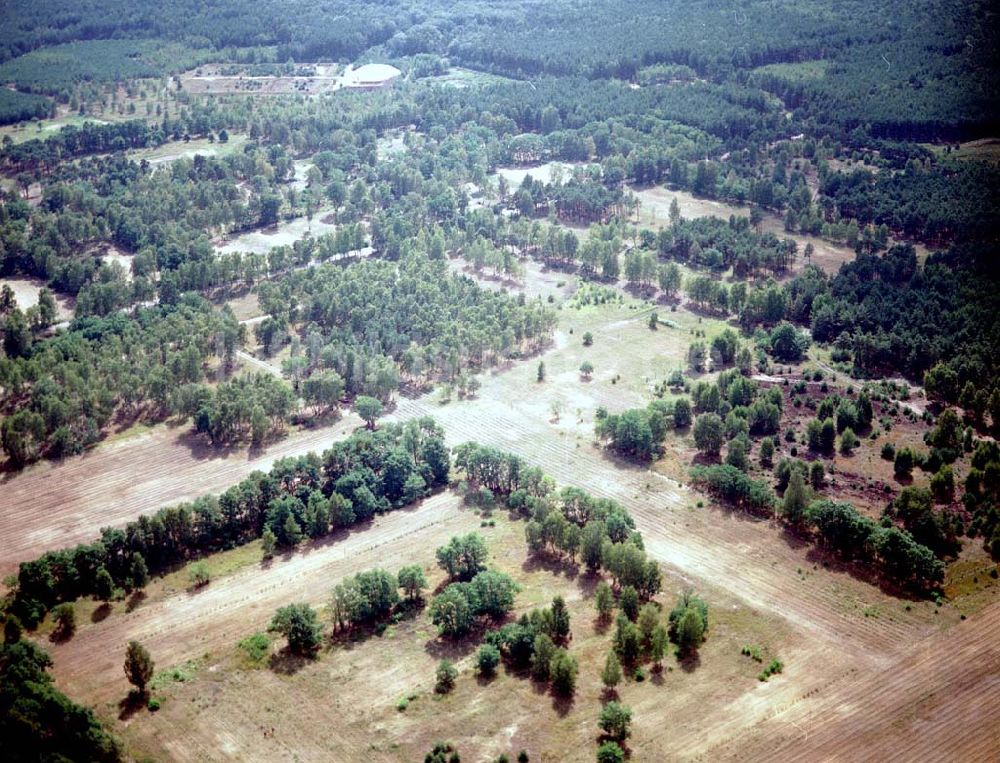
pixel 372 76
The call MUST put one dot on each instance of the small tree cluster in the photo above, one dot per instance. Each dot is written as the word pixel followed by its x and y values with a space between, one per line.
pixel 456 610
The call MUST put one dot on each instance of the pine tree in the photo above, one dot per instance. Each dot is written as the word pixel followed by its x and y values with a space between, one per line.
pixel 560 620
pixel 796 497
pixel 138 665
pixel 658 645
pixel 611 676
pixel 604 600
pixel 268 543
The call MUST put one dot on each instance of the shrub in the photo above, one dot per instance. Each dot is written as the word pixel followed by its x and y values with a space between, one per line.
pixel 903 464
pixel 445 677
pixel 442 752
pixel 610 752
pixel 255 647
pixel 487 659
pixel 774 667
pixel 199 574
pixel 816 475
pixel 753 652
pixel 848 441
pixel 615 721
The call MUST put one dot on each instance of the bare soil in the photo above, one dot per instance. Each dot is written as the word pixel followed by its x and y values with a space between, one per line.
pixel 26 292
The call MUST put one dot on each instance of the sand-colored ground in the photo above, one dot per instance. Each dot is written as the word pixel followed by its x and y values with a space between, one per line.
pixel 26 292
pixel 283 234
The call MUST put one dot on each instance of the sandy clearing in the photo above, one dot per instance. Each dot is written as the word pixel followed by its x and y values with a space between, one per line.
pixel 539 172
pixel 537 281
pixel 26 292
pixel 283 234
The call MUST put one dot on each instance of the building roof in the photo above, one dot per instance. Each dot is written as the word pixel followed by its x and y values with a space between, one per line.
pixel 375 73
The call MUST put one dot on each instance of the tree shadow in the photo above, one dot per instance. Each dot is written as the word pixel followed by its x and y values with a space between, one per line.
pixel 794 538
pixel 441 648
pixel 61 635
pixel 561 703
pixel 202 450
pixel 133 601
pixel 288 663
pixel 131 704
pixel 587 581
pixel 101 612
pixel 864 572
pixel 554 565
pixel 689 660
pixel 602 624
pixel 485 680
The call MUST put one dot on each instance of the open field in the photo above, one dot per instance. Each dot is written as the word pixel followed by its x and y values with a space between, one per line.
pixel 715 709
pixel 358 683
pixel 283 234
pixel 983 150
pixel 184 625
pixel 540 172
pixel 940 701
pixel 43 128
pixel 174 150
pixel 216 80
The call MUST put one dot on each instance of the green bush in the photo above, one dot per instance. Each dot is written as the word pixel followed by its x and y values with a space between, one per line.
pixel 445 677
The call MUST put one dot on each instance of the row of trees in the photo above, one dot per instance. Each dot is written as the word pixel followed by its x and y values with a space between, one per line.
pixel 364 474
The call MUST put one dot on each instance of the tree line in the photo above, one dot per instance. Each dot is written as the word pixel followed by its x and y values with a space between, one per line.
pixel 368 473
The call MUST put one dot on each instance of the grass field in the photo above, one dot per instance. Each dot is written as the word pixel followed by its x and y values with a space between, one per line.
pixel 803 71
